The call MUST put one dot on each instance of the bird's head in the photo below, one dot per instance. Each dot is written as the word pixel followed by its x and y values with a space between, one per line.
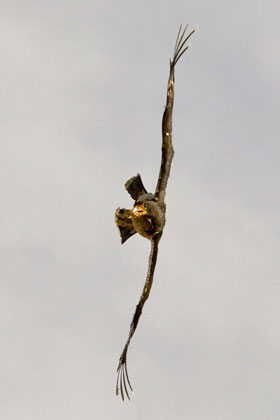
pixel 143 206
pixel 140 209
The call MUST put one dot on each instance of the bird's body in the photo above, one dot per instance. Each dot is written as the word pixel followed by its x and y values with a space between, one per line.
pixel 147 216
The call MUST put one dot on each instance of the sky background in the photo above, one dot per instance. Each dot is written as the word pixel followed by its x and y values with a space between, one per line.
pixel 83 88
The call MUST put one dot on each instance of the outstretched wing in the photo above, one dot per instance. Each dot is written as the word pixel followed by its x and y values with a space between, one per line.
pixel 123 380
pixel 167 147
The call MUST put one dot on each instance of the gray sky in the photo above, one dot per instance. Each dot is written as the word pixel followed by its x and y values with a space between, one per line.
pixel 83 88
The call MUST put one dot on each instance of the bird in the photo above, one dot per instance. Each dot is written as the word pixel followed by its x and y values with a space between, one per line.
pixel 147 216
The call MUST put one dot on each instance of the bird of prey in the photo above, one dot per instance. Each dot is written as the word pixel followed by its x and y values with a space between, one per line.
pixel 147 216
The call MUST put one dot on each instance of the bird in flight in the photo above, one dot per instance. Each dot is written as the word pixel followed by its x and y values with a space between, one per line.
pixel 147 216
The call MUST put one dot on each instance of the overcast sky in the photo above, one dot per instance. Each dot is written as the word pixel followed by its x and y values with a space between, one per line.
pixel 83 87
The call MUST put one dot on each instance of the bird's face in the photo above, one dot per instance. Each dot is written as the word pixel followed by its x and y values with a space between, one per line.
pixel 140 209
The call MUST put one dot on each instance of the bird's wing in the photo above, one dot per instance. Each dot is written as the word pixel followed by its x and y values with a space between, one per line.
pixel 167 147
pixel 123 379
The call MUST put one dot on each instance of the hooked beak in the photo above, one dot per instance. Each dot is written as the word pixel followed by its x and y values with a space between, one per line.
pixel 139 210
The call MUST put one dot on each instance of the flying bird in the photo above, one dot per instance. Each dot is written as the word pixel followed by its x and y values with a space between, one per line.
pixel 147 216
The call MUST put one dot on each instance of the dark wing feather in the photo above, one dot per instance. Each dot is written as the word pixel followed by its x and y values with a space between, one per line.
pixel 135 187
pixel 167 147
pixel 122 378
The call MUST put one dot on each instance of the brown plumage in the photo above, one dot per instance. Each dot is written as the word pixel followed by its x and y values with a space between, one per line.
pixel 147 216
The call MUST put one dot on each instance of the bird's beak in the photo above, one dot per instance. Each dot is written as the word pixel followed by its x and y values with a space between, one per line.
pixel 139 210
